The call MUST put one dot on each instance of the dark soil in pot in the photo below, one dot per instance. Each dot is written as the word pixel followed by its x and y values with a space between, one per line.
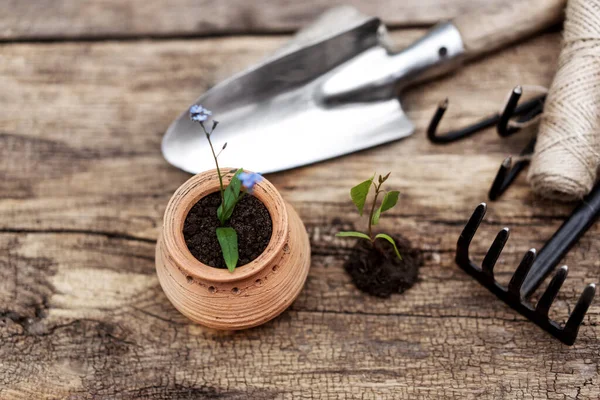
pixel 378 271
pixel 250 219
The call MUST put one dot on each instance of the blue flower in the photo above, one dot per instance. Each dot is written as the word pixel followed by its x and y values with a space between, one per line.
pixel 199 113
pixel 249 180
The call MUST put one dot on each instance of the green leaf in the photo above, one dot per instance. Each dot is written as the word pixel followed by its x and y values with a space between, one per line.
pixel 389 201
pixel 359 194
pixel 376 215
pixel 235 184
pixel 389 239
pixel 353 234
pixel 229 246
pixel 231 197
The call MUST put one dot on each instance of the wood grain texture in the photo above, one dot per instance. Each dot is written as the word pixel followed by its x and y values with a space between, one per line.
pixel 83 188
pixel 497 25
pixel 64 19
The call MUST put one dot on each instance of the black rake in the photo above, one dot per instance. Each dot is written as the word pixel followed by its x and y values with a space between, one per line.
pixel 533 269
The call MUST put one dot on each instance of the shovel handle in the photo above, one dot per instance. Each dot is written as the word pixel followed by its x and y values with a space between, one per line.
pixel 496 26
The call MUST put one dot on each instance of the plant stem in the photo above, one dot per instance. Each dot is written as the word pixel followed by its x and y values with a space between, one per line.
pixel 217 164
pixel 373 212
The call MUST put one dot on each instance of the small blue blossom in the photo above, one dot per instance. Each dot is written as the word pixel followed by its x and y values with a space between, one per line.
pixel 249 180
pixel 199 113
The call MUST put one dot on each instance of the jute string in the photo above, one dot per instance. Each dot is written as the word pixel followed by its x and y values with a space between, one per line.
pixel 567 152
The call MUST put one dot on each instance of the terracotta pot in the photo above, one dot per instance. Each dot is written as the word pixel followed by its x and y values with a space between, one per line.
pixel 251 295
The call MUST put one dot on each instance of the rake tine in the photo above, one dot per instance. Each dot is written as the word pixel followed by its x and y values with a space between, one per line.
pixel 509 172
pixel 572 326
pixel 453 136
pixel 462 247
pixel 490 259
pixel 533 269
pixel 543 306
pixel 529 110
pixel 513 100
pixel 514 286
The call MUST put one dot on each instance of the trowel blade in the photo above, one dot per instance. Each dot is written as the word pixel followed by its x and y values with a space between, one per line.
pixel 271 116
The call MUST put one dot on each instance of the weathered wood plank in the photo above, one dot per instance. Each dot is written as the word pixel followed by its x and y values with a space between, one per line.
pixel 85 316
pixel 59 19
pixel 83 187
pixel 110 108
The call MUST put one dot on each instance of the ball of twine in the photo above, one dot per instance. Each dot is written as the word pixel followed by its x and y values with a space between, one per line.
pixel 567 152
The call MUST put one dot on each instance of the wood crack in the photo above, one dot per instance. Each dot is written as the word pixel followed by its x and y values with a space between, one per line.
pixel 110 235
pixel 517 317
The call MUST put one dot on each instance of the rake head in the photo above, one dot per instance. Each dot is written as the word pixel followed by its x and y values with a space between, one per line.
pixel 523 282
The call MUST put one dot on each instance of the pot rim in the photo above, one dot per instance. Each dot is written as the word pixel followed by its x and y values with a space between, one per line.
pixel 187 195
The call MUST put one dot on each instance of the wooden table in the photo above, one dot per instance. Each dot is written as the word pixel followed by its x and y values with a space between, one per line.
pixel 87 90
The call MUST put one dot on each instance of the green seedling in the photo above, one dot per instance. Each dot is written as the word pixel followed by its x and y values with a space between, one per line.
pixel 359 194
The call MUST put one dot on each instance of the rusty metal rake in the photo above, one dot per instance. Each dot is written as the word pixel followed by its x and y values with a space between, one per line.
pixel 533 269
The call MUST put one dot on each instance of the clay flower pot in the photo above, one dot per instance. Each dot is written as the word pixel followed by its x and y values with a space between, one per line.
pixel 251 295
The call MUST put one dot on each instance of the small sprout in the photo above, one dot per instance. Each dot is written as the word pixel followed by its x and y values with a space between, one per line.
pixel 230 195
pixel 359 194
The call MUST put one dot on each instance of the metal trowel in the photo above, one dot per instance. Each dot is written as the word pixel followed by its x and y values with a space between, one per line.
pixel 334 88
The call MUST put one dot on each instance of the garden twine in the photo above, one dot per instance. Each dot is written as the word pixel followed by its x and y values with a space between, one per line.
pixel 567 152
